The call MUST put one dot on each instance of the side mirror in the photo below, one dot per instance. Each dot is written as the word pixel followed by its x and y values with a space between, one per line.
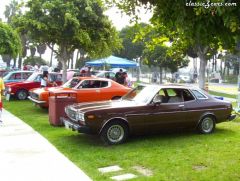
pixel 157 101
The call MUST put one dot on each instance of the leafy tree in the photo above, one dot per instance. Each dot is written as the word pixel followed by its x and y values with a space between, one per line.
pixel 205 29
pixel 74 24
pixel 11 10
pixel 131 49
pixel 41 48
pixel 33 60
pixel 10 44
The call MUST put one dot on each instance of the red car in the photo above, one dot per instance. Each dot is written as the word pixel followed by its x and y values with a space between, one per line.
pixel 21 89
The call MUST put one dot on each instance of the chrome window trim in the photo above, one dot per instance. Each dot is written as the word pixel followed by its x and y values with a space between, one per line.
pixel 205 96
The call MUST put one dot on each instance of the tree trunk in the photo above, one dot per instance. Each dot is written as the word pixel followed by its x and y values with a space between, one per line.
pixel 20 62
pixel 202 69
pixel 71 60
pixel 221 68
pixel 64 57
pixel 224 71
pixel 215 63
pixel 51 56
pixel 161 76
pixel 78 52
pixel 14 62
pixel 139 69
pixel 228 71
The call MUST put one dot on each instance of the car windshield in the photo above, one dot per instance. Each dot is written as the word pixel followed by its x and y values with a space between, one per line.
pixel 71 83
pixel 33 77
pixel 141 94
pixel 6 76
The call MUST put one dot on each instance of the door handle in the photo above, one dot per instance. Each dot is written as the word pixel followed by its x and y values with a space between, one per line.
pixel 181 106
pixel 97 90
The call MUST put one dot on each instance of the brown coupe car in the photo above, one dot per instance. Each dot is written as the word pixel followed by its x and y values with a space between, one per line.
pixel 147 110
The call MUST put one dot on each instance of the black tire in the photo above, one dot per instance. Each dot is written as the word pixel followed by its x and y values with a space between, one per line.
pixel 207 125
pixel 22 94
pixel 114 132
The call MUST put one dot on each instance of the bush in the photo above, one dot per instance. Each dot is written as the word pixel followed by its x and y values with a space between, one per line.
pixel 231 79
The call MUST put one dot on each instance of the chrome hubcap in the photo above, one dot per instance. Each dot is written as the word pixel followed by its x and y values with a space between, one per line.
pixel 22 95
pixel 207 125
pixel 115 133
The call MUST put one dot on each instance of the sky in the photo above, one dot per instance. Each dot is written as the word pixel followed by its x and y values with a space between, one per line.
pixel 118 19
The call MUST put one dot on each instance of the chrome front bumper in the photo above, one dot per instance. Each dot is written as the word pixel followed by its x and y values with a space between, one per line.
pixel 36 101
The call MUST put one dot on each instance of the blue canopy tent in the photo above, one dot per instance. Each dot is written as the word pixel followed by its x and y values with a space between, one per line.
pixel 113 62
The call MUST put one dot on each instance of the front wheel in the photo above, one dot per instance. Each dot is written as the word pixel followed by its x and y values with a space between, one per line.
pixel 115 132
pixel 206 125
pixel 22 94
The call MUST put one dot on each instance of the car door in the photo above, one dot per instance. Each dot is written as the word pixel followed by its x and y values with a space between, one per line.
pixel 167 115
pixel 89 91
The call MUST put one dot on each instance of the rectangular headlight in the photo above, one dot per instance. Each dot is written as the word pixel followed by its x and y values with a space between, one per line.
pixel 80 116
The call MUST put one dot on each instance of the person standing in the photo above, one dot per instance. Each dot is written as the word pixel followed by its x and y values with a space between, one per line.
pixel 44 79
pixel 120 77
pixel 88 72
pixel 2 87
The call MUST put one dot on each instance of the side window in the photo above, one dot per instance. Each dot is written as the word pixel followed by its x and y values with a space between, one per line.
pixel 174 95
pixel 18 76
pixel 90 84
pixel 199 95
pixel 12 77
pixel 25 75
pixel 171 92
pixel 112 75
pixel 187 96
pixel 38 78
pixel 104 83
pixel 73 83
pixel 160 96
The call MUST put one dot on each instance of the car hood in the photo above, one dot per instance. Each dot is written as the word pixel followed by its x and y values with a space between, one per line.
pixel 45 89
pixel 62 90
pixel 94 106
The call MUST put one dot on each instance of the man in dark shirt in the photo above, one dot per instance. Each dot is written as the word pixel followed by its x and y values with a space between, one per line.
pixel 119 77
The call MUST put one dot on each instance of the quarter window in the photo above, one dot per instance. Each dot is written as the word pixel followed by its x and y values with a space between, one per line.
pixel 199 95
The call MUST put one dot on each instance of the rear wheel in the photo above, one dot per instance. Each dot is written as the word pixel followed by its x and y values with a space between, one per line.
pixel 114 132
pixel 207 125
pixel 22 94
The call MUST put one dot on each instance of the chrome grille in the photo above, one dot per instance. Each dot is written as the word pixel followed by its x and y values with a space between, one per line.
pixel 71 114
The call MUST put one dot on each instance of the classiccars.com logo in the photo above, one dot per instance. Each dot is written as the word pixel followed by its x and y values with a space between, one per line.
pixel 209 4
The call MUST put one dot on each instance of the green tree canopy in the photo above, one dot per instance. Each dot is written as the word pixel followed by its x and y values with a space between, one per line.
pixel 71 25
pixel 10 43
pixel 204 28
pixel 131 49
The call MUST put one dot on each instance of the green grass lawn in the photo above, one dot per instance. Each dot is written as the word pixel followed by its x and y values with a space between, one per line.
pixel 178 156
pixel 233 96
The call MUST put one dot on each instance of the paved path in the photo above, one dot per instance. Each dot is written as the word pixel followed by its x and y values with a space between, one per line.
pixel 27 156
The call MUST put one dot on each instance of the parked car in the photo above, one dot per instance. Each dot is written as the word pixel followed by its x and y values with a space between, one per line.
pixel 150 110
pixel 17 76
pixel 20 89
pixel 106 74
pixel 88 89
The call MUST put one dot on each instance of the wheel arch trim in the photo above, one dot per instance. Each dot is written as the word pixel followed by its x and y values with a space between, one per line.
pixel 111 119
pixel 206 114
